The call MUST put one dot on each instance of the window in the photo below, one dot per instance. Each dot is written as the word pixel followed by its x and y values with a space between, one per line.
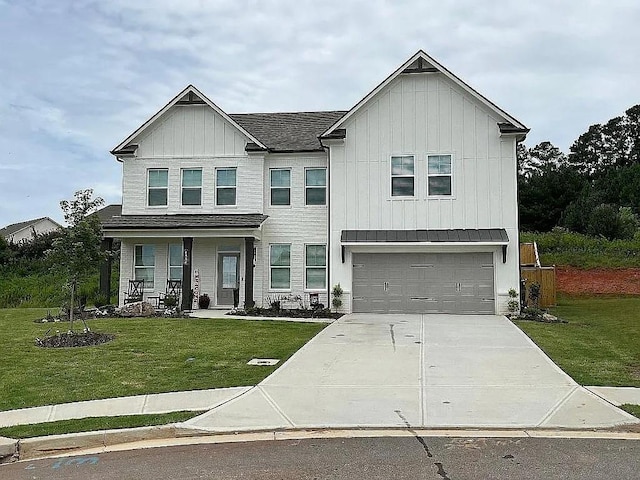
pixel 402 176
pixel 175 261
pixel 315 260
pixel 145 264
pixel 280 186
pixel 439 175
pixel 315 186
pixel 280 266
pixel 192 186
pixel 158 183
pixel 226 186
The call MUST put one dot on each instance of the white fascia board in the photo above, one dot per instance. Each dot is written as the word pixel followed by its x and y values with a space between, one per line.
pixel 177 233
pixel 441 69
pixel 174 100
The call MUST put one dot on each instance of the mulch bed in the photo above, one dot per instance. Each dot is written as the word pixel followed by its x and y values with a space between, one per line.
pixel 618 281
pixel 73 339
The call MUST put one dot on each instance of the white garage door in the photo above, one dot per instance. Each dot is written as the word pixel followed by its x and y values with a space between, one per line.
pixel 423 283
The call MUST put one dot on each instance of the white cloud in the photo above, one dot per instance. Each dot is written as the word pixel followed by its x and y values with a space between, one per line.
pixel 78 77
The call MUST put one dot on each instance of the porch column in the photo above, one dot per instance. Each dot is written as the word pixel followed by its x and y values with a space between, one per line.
pixel 105 269
pixel 187 245
pixel 248 273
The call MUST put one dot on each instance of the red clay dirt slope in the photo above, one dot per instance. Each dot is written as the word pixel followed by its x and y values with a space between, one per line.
pixel 572 280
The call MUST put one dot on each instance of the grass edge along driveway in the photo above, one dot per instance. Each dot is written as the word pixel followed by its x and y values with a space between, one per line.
pixel 599 346
pixel 148 355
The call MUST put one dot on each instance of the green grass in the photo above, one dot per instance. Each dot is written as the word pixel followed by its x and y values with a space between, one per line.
pixel 151 355
pixel 599 345
pixel 583 251
pixel 632 409
pixel 93 424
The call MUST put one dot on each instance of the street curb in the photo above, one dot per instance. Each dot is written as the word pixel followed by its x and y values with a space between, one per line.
pixel 8 450
pixel 89 443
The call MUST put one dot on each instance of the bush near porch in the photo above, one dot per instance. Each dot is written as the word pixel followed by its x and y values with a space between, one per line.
pixel 151 355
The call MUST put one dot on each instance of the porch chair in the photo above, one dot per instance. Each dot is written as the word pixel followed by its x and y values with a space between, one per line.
pixel 173 291
pixel 134 294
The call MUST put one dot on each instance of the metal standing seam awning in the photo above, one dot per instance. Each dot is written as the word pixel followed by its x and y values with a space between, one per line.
pixel 482 236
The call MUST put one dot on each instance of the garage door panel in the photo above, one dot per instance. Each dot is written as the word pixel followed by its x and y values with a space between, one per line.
pixel 423 283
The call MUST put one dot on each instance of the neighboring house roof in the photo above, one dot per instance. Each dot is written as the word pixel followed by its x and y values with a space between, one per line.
pixel 184 221
pixel 288 132
pixel 16 227
pixel 105 213
pixel 493 235
pixel 420 62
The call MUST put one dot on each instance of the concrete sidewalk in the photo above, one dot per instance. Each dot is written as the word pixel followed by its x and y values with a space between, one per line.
pixel 195 400
pixel 429 371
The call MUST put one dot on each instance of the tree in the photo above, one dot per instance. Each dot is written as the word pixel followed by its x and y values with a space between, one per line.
pixel 547 184
pixel 76 252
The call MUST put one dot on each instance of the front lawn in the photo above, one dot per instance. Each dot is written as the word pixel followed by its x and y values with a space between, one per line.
pixel 599 345
pixel 151 355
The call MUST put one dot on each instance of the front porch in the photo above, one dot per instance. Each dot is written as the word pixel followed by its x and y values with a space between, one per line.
pixel 209 254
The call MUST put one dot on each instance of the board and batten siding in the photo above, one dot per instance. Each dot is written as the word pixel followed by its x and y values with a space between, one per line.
pixel 296 224
pixel 192 137
pixel 422 114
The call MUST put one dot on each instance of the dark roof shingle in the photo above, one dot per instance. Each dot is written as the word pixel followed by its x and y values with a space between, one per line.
pixel 184 221
pixel 15 227
pixel 288 132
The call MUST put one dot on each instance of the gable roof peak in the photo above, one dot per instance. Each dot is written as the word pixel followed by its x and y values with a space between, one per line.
pixel 421 62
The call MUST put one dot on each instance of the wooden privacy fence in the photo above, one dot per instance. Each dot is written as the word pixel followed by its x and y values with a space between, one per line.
pixel 546 278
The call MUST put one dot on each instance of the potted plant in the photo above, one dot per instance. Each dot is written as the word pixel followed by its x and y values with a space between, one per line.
pixel 336 301
pixel 204 301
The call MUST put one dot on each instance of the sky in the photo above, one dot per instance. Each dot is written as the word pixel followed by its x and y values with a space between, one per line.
pixel 78 76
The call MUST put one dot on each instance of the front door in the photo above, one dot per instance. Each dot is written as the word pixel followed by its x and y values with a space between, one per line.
pixel 228 274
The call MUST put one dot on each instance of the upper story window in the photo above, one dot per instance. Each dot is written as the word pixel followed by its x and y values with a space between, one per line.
pixel 158 184
pixel 402 176
pixel 280 182
pixel 315 186
pixel 192 186
pixel 439 175
pixel 145 264
pixel 226 179
pixel 280 266
pixel 175 261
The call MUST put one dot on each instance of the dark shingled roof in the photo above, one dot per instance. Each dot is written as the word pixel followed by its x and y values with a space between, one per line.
pixel 288 132
pixel 183 221
pixel 498 235
pixel 105 213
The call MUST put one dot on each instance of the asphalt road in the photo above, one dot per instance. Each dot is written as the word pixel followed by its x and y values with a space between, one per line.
pixel 360 458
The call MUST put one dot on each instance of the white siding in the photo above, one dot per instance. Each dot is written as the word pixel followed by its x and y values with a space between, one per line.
pixel 40 227
pixel 191 137
pixel 296 224
pixel 420 115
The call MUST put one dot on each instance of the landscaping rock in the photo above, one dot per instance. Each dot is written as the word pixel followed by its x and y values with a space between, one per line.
pixel 73 339
pixel 137 309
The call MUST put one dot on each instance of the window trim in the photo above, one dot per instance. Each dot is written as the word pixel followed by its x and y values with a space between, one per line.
pixel 276 289
pixel 182 187
pixel 226 187
pixel 392 176
pixel 169 266
pixel 271 188
pixel 451 158
pixel 149 187
pixel 147 288
pixel 306 267
pixel 307 187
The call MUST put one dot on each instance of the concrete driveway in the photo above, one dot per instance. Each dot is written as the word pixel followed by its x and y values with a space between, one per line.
pixel 420 371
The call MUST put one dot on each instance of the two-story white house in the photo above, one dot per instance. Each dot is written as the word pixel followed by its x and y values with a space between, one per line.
pixel 408 200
